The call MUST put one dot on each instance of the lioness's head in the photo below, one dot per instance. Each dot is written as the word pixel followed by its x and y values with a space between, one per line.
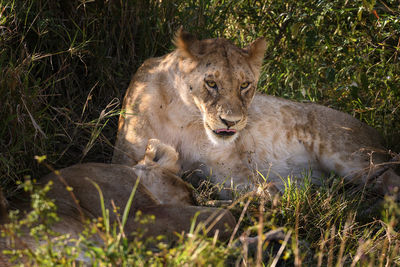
pixel 221 79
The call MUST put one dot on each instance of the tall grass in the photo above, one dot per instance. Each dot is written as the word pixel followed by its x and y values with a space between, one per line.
pixel 64 69
pixel 321 227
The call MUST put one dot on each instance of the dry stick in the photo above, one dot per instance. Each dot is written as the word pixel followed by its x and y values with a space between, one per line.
pixel 216 234
pixel 360 251
pixel 278 255
pixel 297 260
pixel 214 222
pixel 343 243
pixel 238 223
pixel 34 123
pixel 386 244
pixel 321 246
pixel 260 233
pixel 393 255
pixel 214 214
pixel 384 250
pixel 1 13
pixel 88 98
pixel 245 249
pixel 387 8
pixel 331 244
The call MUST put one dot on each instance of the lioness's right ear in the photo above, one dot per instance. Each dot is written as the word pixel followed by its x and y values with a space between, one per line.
pixel 256 51
pixel 185 42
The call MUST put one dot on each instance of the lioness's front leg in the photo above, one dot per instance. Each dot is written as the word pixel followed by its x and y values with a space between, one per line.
pixel 231 177
pixel 132 139
pixel 234 172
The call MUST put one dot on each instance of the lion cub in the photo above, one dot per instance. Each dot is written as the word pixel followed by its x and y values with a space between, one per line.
pixel 160 193
pixel 202 100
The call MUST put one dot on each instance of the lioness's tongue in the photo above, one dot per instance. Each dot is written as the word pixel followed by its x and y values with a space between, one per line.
pixel 225 131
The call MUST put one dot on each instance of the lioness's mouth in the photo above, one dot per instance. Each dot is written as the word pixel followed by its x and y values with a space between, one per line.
pixel 225 132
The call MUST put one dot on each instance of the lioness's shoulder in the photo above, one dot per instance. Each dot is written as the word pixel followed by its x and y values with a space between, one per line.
pixel 148 66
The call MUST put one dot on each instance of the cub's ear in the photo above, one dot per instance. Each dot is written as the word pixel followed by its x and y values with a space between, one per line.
pixel 256 51
pixel 186 43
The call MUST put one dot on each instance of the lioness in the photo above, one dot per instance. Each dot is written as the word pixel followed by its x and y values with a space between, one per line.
pixel 160 193
pixel 201 99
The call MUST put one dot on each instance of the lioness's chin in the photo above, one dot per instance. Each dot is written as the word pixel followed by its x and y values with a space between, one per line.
pixel 220 139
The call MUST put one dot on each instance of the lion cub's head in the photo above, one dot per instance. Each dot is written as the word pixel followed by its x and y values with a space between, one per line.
pixel 221 80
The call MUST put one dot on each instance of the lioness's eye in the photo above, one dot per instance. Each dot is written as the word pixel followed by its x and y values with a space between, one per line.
pixel 244 85
pixel 212 84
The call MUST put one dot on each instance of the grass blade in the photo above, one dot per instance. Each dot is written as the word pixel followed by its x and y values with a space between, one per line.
pixel 129 203
pixel 104 212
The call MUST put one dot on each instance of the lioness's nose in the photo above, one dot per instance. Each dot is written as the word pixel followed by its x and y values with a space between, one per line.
pixel 229 123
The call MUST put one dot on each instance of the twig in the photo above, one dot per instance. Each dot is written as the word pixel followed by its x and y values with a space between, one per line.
pixel 280 251
pixel 239 221
pixel 260 233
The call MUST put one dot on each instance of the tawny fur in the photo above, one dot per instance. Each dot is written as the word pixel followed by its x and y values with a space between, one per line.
pixel 170 99
pixel 160 193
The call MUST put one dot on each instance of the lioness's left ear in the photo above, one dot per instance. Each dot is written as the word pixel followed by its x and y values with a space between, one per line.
pixel 256 51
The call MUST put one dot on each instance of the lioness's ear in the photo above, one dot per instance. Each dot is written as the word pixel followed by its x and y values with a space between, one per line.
pixel 256 51
pixel 185 42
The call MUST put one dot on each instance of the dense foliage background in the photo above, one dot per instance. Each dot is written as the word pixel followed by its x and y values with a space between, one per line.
pixel 65 65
